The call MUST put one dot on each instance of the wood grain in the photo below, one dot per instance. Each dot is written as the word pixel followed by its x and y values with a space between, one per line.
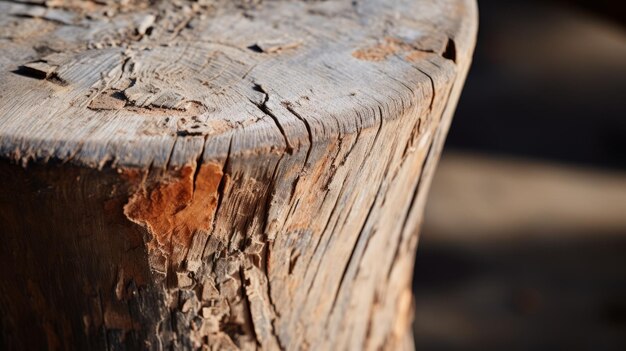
pixel 220 174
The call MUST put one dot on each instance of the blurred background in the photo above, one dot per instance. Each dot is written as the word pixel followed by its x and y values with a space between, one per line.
pixel 524 241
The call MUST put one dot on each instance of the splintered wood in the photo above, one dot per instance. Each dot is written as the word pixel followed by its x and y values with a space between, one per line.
pixel 233 175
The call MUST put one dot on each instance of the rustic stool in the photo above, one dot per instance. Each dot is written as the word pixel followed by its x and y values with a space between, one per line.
pixel 219 174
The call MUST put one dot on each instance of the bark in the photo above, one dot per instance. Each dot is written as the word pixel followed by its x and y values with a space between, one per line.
pixel 219 175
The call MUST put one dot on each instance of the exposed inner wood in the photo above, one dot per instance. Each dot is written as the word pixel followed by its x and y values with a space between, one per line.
pixel 219 174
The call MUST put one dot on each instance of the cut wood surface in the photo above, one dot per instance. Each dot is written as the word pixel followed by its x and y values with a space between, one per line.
pixel 219 174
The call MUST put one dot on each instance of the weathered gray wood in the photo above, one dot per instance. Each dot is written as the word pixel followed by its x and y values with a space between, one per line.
pixel 219 174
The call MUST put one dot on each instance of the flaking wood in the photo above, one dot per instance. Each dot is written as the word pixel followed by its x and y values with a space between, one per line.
pixel 219 174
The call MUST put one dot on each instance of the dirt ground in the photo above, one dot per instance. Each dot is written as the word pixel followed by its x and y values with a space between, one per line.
pixel 519 255
pixel 524 241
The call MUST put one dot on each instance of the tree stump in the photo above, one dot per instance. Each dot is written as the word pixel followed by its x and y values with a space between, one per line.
pixel 219 174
